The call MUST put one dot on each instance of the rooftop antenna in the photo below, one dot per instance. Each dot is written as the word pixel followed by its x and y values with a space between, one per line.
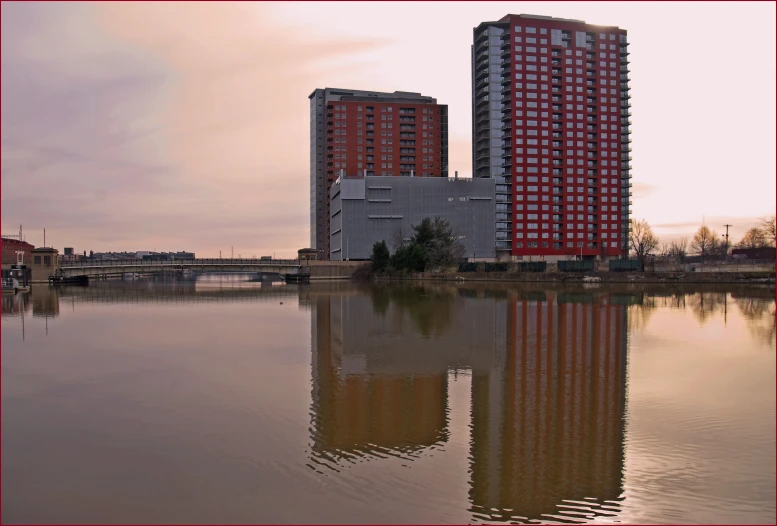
pixel 44 237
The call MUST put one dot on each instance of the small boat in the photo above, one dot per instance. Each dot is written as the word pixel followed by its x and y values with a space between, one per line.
pixel 68 280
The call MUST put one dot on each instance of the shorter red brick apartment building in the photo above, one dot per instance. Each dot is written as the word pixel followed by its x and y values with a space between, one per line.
pixel 357 133
pixel 11 246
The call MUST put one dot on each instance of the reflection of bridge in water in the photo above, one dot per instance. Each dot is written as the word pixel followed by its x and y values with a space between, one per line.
pixel 186 292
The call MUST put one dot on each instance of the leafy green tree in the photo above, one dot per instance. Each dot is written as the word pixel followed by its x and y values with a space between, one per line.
pixel 440 242
pixel 409 257
pixel 380 256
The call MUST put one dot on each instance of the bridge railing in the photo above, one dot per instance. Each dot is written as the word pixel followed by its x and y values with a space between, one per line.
pixel 175 263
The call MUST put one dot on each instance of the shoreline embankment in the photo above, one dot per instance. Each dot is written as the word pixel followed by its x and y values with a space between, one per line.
pixel 740 278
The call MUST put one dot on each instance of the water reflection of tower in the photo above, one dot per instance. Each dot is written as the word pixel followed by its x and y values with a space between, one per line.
pixel 547 426
pixel 45 301
pixel 362 405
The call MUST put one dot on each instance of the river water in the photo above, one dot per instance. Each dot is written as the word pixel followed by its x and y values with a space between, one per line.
pixel 229 402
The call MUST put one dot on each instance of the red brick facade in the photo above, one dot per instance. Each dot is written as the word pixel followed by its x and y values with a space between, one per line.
pixel 11 246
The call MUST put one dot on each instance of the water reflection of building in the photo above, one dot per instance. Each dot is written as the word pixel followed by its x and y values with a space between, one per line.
pixel 367 403
pixel 548 390
pixel 45 301
pixel 548 422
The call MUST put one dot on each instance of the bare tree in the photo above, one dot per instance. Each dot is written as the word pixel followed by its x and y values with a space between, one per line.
pixel 679 249
pixel 397 239
pixel 769 230
pixel 753 238
pixel 704 242
pixel 642 239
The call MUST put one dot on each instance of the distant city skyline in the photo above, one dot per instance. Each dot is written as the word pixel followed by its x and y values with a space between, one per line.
pixel 186 126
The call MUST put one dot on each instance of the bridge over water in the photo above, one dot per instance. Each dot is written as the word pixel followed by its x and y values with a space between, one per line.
pixel 104 268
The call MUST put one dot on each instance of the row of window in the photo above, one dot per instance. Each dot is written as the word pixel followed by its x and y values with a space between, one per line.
pixel 544 42
pixel 576 125
pixel 571 117
pixel 383 117
pixel 544 31
pixel 569 197
pixel 569 98
pixel 384 165
pixel 558 170
pixel 560 164
pixel 387 109
pixel 570 170
pixel 569 107
pixel 570 235
pixel 603 64
pixel 383 133
pixel 570 189
pixel 570 217
pixel 341 124
pixel 569 153
pixel 570 180
pixel 546 208
pixel 579 53
pixel 570 244
pixel 569 226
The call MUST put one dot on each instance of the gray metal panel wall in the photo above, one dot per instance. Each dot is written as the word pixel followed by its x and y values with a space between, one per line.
pixel 392 205
pixel 317 171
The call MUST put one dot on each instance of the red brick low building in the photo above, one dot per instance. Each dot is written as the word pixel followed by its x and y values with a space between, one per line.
pixel 11 246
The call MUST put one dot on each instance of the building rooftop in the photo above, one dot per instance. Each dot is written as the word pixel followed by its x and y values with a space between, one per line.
pixel 377 96
pixel 505 19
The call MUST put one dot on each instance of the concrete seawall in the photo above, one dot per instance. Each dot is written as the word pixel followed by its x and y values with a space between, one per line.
pixel 759 278
pixel 330 270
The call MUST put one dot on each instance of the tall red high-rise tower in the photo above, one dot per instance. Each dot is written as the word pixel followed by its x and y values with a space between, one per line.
pixel 550 110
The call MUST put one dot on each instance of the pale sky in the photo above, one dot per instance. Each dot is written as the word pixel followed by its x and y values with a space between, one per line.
pixel 154 126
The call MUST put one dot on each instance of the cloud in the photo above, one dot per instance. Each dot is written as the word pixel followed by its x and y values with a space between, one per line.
pixel 640 189
pixel 167 124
